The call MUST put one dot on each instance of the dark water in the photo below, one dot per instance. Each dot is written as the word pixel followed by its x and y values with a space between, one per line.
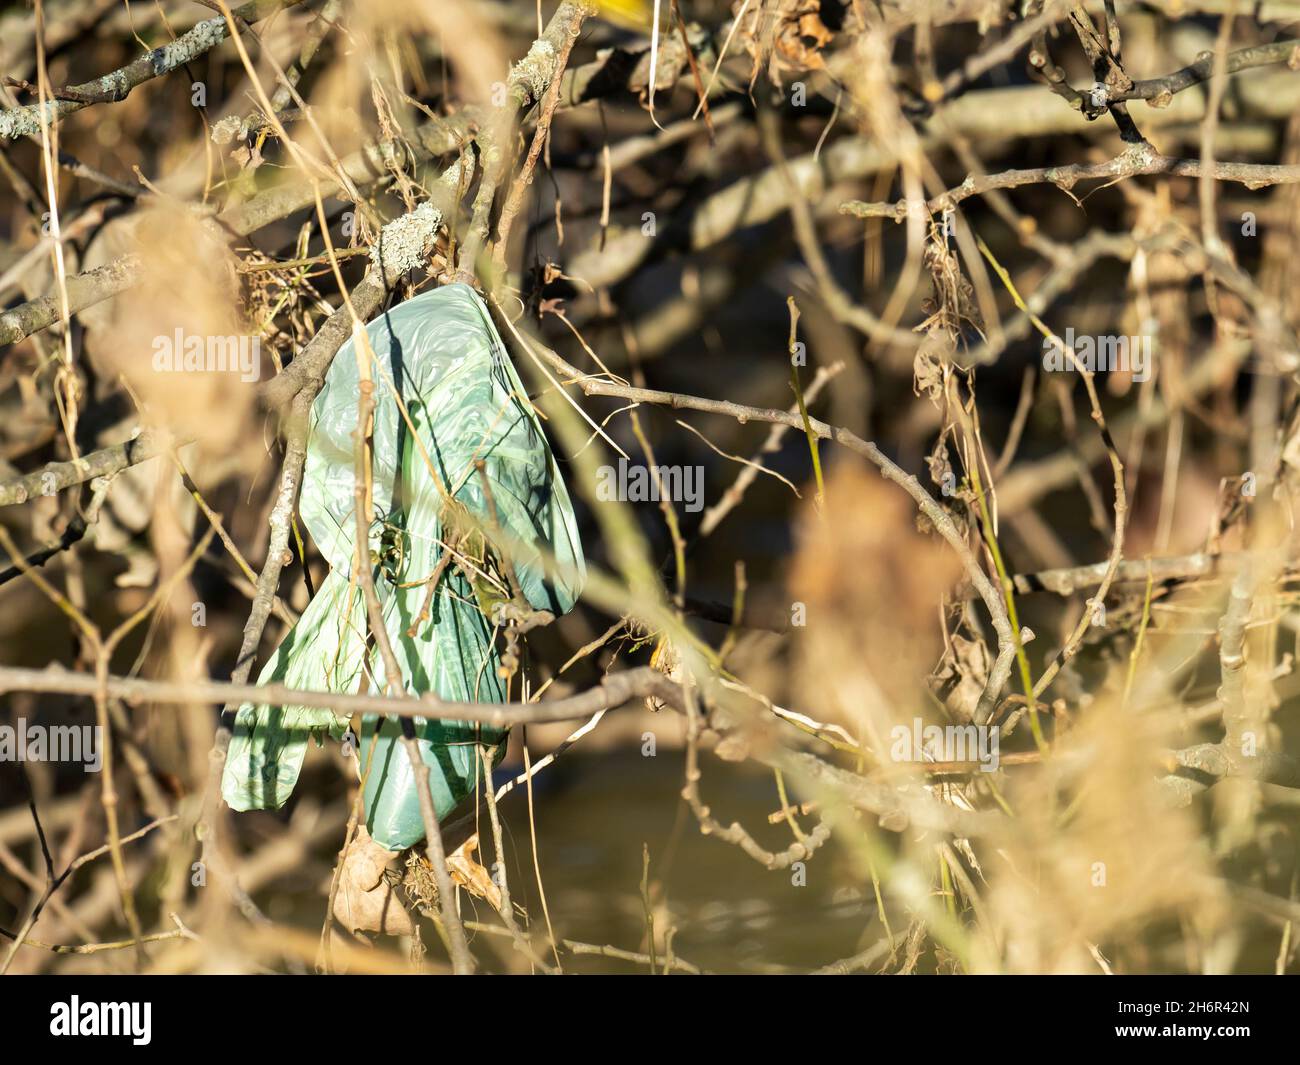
pixel 595 815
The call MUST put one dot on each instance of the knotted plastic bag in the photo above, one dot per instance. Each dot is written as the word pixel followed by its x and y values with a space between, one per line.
pixel 441 353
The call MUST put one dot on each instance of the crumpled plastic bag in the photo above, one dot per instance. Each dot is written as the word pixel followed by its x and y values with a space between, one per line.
pixel 441 352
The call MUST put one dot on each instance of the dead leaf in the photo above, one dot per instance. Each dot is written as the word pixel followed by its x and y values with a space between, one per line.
pixel 789 38
pixel 473 877
pixel 668 661
pixel 366 901
pixel 961 676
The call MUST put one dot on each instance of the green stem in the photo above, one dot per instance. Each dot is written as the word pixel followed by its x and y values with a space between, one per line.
pixel 1142 631
pixel 813 446
pixel 986 522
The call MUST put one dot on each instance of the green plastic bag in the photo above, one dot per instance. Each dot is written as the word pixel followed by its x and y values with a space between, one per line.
pixel 442 353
